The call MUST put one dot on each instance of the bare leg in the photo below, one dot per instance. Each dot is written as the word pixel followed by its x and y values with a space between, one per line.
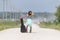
pixel 27 28
pixel 30 29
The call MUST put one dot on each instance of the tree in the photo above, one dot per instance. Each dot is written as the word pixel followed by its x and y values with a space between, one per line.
pixel 57 14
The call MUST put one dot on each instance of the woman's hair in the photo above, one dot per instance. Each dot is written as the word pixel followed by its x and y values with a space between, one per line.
pixel 30 13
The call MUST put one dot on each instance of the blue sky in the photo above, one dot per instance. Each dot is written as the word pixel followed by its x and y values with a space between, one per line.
pixel 26 5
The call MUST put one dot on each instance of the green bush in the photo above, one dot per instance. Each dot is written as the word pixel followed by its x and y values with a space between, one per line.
pixel 57 14
pixel 9 24
pixel 53 25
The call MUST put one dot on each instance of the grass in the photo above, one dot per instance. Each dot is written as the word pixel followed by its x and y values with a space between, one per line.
pixel 16 24
pixel 50 25
pixel 9 24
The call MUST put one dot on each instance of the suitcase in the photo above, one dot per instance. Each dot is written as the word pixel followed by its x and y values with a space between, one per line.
pixel 23 29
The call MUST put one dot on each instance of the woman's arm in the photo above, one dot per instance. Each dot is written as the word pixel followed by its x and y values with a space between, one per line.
pixel 23 16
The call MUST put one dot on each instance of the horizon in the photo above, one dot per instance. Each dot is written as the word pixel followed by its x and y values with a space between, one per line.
pixel 24 12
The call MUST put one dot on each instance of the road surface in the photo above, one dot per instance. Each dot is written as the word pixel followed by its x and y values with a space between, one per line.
pixel 37 34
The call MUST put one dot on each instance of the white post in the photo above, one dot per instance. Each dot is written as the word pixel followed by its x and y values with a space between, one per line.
pixel 13 16
pixel 6 8
pixel 6 16
pixel 3 8
pixel 3 16
pixel 10 16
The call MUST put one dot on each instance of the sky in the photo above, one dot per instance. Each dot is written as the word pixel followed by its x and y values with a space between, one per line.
pixel 26 5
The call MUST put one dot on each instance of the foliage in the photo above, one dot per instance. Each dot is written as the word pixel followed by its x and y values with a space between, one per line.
pixel 9 24
pixel 57 14
pixel 54 25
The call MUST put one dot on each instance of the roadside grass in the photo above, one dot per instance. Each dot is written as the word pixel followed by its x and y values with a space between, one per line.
pixel 6 24
pixel 50 25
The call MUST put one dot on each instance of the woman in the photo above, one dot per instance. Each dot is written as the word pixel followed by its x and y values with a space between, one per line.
pixel 29 21
pixel 28 18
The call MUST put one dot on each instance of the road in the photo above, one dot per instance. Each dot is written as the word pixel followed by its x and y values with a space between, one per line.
pixel 37 34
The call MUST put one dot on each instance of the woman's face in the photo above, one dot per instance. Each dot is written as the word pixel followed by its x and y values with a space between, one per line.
pixel 30 13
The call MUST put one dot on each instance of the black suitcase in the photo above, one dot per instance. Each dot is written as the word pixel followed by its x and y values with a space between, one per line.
pixel 23 29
